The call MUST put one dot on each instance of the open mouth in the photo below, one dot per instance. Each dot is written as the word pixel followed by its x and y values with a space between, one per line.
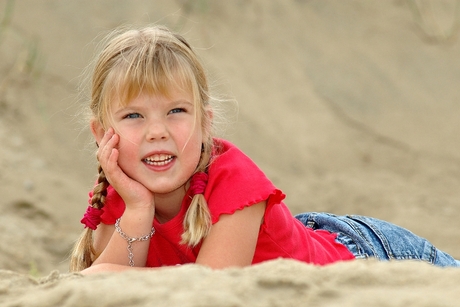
pixel 159 160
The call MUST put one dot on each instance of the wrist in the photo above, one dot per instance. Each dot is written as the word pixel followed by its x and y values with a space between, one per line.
pixel 139 213
pixel 143 204
pixel 136 222
pixel 131 240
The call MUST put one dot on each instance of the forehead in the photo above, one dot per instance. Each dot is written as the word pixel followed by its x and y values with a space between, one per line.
pixel 172 88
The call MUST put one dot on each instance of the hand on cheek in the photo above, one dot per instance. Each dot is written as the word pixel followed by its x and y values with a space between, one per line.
pixel 133 193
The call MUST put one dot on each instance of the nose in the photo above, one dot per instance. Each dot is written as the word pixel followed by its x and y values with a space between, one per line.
pixel 157 130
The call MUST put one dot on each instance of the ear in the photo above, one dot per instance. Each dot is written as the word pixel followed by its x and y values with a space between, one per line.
pixel 97 130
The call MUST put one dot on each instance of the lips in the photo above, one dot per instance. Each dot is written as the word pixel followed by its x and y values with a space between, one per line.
pixel 159 159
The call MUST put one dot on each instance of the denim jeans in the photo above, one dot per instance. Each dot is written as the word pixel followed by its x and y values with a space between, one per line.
pixel 369 237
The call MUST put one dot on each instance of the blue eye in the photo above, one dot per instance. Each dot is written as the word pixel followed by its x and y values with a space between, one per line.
pixel 133 115
pixel 177 110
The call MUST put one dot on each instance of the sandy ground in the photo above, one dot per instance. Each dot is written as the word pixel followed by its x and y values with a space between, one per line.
pixel 349 107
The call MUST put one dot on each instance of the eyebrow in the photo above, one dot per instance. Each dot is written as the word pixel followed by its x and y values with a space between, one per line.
pixel 135 108
pixel 183 101
pixel 128 107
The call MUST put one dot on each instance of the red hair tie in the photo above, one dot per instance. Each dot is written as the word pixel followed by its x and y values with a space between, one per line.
pixel 198 183
pixel 92 217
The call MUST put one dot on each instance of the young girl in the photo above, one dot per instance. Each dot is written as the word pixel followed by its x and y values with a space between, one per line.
pixel 170 193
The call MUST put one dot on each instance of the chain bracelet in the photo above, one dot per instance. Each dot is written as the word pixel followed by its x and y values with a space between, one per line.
pixel 131 240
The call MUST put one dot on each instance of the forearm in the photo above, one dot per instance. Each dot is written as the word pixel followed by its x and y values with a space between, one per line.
pixel 134 223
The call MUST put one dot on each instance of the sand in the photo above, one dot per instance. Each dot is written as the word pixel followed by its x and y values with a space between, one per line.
pixel 348 106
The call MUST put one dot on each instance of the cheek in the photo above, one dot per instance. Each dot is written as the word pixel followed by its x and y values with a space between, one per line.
pixel 192 147
pixel 194 156
pixel 128 150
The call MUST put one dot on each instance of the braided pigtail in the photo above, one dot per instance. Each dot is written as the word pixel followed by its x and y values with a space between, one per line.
pixel 197 221
pixel 83 253
pixel 100 190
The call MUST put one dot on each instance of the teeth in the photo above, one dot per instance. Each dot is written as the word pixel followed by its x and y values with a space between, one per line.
pixel 158 159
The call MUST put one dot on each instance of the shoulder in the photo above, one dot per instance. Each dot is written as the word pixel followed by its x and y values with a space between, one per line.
pixel 229 161
pixel 235 181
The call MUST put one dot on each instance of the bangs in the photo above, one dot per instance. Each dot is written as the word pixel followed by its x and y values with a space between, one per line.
pixel 160 73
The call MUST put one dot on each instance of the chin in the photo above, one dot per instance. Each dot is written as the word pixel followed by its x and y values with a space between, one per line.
pixel 168 189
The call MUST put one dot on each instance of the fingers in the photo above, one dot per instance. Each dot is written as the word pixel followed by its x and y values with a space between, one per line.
pixel 107 153
pixel 107 144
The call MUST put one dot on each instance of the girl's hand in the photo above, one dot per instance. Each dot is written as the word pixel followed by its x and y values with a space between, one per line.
pixel 134 194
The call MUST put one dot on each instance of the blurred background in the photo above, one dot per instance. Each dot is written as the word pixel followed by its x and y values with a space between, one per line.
pixel 350 107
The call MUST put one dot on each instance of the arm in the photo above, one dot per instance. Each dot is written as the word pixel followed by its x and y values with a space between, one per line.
pixel 110 259
pixel 232 240
pixel 137 218
pixel 112 248
pixel 111 251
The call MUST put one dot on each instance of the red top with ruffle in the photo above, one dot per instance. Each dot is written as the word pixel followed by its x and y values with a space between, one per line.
pixel 235 182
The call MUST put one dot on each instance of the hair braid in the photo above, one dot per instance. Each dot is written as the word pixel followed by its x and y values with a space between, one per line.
pixel 197 221
pixel 100 190
pixel 83 253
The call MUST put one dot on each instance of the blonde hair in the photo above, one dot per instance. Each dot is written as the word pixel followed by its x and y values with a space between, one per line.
pixel 153 60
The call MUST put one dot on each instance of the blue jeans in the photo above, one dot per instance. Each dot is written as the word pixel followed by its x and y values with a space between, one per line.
pixel 369 237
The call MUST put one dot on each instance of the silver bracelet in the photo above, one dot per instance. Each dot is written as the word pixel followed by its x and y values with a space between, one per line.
pixel 131 240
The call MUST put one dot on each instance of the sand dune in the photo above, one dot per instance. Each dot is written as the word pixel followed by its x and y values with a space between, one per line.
pixel 275 283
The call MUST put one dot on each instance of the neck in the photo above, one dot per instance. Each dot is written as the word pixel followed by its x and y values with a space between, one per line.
pixel 167 206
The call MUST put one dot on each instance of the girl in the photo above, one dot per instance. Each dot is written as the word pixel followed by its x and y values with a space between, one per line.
pixel 170 193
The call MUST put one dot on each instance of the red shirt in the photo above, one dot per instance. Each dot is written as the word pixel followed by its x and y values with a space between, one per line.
pixel 235 182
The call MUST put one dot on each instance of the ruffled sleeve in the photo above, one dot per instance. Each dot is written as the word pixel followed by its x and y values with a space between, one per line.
pixel 235 182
